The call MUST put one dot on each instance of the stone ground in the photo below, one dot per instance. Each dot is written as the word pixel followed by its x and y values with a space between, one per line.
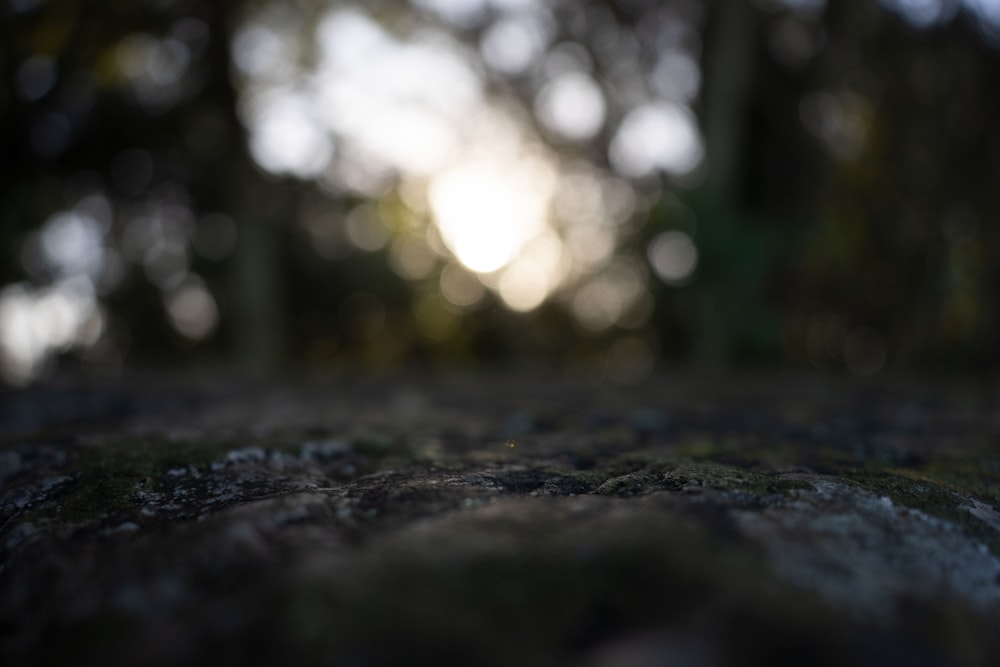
pixel 500 519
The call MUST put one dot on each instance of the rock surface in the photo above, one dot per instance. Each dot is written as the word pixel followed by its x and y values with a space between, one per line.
pixel 484 519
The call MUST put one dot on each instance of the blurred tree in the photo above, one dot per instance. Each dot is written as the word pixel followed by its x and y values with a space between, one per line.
pixel 830 205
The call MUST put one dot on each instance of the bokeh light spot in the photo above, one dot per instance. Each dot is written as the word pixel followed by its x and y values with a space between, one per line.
pixel 487 213
pixel 72 244
pixel 36 77
pixel 458 12
pixel 596 305
pixel 411 258
pixel 37 323
pixel 285 138
pixel 512 44
pixel 840 120
pixel 259 50
pixel 660 136
pixel 364 228
pixel 461 288
pixel 192 310
pixel 572 106
pixel 673 256
pixel 676 77
pixel 154 68
pixel 523 286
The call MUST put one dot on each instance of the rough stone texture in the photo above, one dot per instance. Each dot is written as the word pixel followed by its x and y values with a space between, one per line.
pixel 485 519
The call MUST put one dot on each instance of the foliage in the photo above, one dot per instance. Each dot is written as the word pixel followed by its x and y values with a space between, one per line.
pixel 840 211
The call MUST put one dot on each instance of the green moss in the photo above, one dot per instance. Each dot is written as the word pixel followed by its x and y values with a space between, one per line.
pixel 828 454
pixel 375 446
pixel 731 478
pixel 148 458
pixel 926 496
pixel 109 476
pixel 631 484
pixel 968 474
pixel 688 474
pixel 93 498
pixel 583 481
pixel 759 452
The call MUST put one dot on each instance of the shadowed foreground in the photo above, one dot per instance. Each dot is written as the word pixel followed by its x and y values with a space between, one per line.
pixel 500 520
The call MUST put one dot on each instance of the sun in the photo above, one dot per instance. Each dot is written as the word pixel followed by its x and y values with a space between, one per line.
pixel 487 212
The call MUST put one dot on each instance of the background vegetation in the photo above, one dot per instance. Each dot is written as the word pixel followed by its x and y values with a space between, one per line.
pixel 597 186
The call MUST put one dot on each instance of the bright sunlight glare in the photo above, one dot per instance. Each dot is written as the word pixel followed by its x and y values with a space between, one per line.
pixel 487 213
pixel 363 108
